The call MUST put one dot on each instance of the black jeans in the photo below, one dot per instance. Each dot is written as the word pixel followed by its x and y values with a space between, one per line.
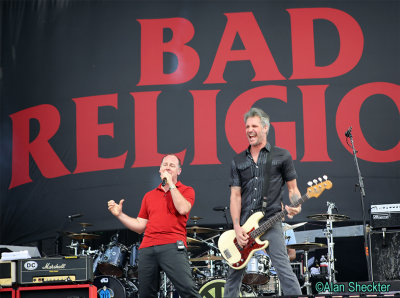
pixel 173 262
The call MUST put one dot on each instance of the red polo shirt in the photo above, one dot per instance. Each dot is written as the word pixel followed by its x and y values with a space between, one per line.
pixel 165 225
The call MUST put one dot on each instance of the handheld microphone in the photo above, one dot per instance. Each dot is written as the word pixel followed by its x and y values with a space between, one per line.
pixel 74 216
pixel 348 132
pixel 164 181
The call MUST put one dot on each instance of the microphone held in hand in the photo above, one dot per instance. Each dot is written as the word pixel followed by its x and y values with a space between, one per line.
pixel 164 181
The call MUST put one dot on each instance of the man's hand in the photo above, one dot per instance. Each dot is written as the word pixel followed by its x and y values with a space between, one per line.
pixel 114 208
pixel 292 211
pixel 241 236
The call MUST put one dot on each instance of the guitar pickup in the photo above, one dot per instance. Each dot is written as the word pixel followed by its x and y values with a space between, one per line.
pixel 227 254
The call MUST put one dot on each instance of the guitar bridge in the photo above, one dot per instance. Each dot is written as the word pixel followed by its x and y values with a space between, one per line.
pixel 227 254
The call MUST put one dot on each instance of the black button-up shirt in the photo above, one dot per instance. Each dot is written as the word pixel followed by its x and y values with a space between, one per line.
pixel 250 177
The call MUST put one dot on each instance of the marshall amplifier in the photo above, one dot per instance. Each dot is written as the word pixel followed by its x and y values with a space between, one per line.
pixel 59 270
pixel 385 216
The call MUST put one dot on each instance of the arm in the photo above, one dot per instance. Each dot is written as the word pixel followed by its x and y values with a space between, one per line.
pixel 236 206
pixel 294 195
pixel 292 254
pixel 181 204
pixel 137 225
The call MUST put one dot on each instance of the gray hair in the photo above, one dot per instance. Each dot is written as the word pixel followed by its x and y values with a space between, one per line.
pixel 256 112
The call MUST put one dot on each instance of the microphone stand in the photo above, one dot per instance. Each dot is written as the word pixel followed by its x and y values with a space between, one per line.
pixel 362 195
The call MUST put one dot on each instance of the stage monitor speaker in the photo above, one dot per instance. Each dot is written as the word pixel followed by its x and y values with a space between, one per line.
pixel 385 254
pixel 59 291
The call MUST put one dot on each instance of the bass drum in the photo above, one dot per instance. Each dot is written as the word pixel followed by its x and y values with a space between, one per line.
pixel 215 288
pixel 111 287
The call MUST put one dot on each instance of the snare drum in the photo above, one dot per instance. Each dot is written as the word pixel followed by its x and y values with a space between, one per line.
pixel 113 260
pixel 257 270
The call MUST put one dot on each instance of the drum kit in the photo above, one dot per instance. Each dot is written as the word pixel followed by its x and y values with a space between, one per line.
pixel 115 266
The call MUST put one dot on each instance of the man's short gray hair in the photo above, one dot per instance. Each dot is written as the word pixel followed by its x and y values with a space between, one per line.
pixel 256 112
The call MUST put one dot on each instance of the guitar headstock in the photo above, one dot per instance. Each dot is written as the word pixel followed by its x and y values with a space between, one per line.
pixel 316 189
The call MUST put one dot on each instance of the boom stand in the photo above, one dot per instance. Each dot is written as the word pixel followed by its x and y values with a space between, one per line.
pixel 362 195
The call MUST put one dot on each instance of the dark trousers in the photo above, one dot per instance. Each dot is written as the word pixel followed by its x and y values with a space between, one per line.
pixel 173 262
pixel 280 260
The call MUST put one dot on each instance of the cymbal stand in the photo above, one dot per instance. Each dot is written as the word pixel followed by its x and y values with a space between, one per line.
pixel 307 283
pixel 166 286
pixel 74 245
pixel 329 237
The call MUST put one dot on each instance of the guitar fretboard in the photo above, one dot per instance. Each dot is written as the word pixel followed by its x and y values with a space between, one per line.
pixel 274 219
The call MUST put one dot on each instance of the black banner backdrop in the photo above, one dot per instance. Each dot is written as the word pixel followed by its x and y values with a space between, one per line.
pixel 93 93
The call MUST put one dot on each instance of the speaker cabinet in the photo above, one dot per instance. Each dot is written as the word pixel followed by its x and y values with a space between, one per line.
pixel 7 293
pixel 385 254
pixel 58 291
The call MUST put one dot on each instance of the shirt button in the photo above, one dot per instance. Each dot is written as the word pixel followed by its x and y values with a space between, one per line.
pixel 256 178
pixel 255 188
pixel 254 200
pixel 257 167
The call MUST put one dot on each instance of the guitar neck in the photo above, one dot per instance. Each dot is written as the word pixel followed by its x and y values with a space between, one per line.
pixel 277 217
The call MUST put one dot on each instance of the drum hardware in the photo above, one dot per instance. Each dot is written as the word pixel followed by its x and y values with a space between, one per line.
pixel 206 258
pixel 329 218
pixel 194 230
pixel 257 270
pixel 306 247
pixel 193 240
pixel 167 289
pixel 83 236
pixel 191 248
pixel 85 224
pixel 292 227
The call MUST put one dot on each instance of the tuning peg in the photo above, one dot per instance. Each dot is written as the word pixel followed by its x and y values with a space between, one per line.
pixel 315 181
pixel 309 183
pixel 319 179
pixel 325 177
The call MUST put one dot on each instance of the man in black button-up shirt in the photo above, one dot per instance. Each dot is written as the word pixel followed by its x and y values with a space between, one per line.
pixel 247 183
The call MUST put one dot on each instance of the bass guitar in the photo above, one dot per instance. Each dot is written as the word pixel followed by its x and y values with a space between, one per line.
pixel 236 256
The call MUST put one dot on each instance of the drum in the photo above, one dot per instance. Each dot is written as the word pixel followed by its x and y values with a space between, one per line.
pixel 96 259
pixel 113 260
pixel 110 287
pixel 133 261
pixel 215 288
pixel 271 287
pixel 257 270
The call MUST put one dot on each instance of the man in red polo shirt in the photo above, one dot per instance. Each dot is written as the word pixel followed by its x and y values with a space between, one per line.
pixel 162 218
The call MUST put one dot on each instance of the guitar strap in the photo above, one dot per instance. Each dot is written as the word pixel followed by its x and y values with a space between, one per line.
pixel 267 175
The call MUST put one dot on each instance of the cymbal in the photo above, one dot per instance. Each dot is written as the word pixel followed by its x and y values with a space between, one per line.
pixel 196 218
pixel 199 230
pixel 85 224
pixel 206 258
pixel 292 227
pixel 80 236
pixel 192 247
pixel 306 246
pixel 326 217
pixel 192 240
